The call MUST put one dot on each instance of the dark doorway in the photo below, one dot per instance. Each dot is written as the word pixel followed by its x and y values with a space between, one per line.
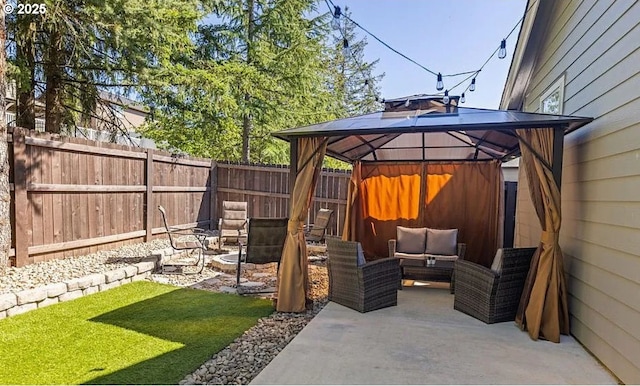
pixel 510 190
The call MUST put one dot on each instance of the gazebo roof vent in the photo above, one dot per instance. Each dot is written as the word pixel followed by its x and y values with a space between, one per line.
pixel 427 104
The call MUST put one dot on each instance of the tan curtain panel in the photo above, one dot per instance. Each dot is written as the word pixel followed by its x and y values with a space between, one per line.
pixel 354 206
pixel 543 309
pixel 465 196
pixel 293 275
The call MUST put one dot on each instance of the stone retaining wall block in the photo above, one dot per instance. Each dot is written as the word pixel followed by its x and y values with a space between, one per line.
pixel 55 289
pixel 78 283
pixel 130 270
pixel 91 290
pixel 140 277
pixel 3 314
pixel 48 302
pixel 71 295
pixel 115 275
pixel 31 295
pixel 145 266
pixel 7 301
pixel 17 310
pixel 108 286
pixel 97 279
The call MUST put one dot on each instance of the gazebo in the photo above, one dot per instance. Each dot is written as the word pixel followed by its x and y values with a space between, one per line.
pixel 424 162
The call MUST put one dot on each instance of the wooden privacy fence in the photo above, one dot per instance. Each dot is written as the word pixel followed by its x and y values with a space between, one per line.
pixel 266 190
pixel 72 196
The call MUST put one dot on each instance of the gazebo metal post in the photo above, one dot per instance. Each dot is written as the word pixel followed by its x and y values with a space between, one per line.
pixel 558 148
pixel 293 167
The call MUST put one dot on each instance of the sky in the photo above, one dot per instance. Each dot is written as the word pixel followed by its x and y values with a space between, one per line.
pixel 444 36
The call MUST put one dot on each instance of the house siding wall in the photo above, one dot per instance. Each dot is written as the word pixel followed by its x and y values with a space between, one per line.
pixel 595 44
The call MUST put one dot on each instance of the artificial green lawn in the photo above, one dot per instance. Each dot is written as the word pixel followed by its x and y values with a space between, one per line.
pixel 139 333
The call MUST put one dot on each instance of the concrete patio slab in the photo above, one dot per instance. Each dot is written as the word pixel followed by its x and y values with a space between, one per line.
pixel 425 341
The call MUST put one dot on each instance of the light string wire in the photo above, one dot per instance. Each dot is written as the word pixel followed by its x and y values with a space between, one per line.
pixel 470 74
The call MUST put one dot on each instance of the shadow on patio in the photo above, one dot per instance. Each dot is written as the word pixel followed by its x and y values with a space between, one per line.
pixel 425 341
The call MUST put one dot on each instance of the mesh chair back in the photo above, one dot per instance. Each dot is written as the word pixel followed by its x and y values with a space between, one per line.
pixel 163 213
pixel 320 225
pixel 266 239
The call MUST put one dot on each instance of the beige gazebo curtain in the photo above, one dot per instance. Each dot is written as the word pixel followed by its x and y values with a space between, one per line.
pixel 353 203
pixel 292 276
pixel 543 309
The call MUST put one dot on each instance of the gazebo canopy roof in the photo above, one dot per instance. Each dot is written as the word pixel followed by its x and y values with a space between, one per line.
pixel 426 129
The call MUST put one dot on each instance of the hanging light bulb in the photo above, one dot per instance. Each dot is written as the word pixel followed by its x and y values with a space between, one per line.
pixel 445 98
pixel 462 98
pixel 346 51
pixel 439 83
pixel 335 22
pixel 502 53
pixel 472 86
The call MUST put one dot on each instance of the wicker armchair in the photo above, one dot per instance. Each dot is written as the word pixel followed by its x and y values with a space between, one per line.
pixel 490 296
pixel 364 288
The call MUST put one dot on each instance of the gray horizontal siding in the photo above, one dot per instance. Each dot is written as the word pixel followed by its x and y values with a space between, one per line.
pixel 595 44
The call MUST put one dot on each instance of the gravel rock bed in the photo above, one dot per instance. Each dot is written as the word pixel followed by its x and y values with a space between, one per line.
pixel 14 279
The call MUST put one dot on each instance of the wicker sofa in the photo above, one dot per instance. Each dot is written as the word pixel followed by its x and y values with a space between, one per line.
pixel 492 294
pixel 359 285
pixel 427 254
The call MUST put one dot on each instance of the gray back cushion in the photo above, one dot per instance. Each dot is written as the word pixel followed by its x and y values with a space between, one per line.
pixel 410 240
pixel 442 241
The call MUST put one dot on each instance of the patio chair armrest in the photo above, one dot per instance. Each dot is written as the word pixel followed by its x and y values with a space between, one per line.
pixel 392 248
pixel 475 278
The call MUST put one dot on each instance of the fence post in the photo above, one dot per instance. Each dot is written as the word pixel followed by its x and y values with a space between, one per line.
pixel 21 199
pixel 148 198
pixel 213 195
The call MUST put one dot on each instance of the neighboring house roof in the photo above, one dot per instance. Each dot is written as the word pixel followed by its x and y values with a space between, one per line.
pixel 123 101
pixel 534 26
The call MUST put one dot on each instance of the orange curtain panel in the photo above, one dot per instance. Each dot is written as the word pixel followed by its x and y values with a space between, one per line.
pixel 465 196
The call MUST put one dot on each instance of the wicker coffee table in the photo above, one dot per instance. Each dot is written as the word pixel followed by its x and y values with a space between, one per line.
pixel 441 271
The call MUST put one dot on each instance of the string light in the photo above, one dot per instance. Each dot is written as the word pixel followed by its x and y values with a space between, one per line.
pixel 335 22
pixel 501 50
pixel 462 98
pixel 445 98
pixel 346 51
pixel 502 53
pixel 439 83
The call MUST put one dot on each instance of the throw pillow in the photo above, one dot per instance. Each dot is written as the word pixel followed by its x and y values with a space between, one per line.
pixel 496 266
pixel 442 241
pixel 410 240
pixel 361 260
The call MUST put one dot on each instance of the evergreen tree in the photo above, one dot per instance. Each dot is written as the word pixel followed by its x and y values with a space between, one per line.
pixel 78 48
pixel 352 81
pixel 260 68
